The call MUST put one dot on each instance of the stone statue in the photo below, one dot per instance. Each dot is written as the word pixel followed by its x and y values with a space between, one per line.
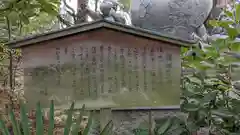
pixel 109 10
pixel 183 19
pixel 177 18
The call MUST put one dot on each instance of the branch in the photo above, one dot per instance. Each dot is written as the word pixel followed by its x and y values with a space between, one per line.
pixel 69 8
pixel 10 56
pixel 65 22
pixel 73 15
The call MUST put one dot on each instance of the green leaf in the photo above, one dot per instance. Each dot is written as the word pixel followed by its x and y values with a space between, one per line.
pixel 13 17
pixel 15 125
pixel 228 13
pixel 202 65
pixel 191 106
pixel 237 6
pixel 25 19
pixel 223 87
pixel 212 81
pixel 21 4
pixel 4 128
pixel 24 119
pixel 195 80
pixel 50 8
pixel 51 118
pixel 220 44
pixel 211 52
pixel 32 14
pixel 213 23
pixel 184 51
pixel 192 126
pixel 229 59
pixel 222 112
pixel 232 32
pixel 107 129
pixel 235 46
pixel 209 97
pixel 78 122
pixel 221 61
pixel 225 23
pixel 68 123
pixel 89 124
pixel 164 128
pixel 39 120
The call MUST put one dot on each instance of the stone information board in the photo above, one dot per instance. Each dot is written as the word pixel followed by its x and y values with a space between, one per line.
pixel 104 76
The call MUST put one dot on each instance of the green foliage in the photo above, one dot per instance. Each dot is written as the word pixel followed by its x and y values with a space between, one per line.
pixel 208 97
pixel 70 126
pixel 19 18
pixel 15 15
pixel 107 130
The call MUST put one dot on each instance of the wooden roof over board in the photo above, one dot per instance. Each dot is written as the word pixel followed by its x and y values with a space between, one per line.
pixel 85 27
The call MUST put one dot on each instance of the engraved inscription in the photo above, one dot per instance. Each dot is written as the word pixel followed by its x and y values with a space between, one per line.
pixel 108 76
pixel 168 68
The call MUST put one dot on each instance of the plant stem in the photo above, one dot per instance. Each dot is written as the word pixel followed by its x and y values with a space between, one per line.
pixel 10 64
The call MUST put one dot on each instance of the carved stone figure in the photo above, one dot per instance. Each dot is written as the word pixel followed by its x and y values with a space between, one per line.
pixel 109 10
pixel 178 18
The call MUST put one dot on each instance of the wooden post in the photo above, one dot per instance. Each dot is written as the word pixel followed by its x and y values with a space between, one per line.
pixel 150 122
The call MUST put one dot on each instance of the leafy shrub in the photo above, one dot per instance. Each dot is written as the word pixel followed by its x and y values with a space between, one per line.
pixel 209 98
pixel 25 127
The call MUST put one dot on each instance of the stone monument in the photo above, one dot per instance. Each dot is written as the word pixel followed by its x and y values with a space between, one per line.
pixel 105 65
pixel 178 18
